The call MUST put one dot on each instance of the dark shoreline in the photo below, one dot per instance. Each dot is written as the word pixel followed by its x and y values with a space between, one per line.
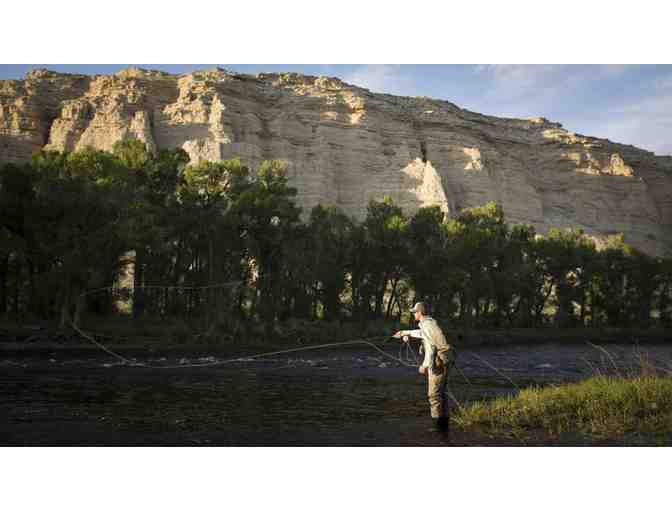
pixel 569 336
pixel 44 341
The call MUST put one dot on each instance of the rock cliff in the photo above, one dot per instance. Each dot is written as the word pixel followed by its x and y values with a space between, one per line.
pixel 346 145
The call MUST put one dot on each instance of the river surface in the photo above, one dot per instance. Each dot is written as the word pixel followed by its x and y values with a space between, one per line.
pixel 352 396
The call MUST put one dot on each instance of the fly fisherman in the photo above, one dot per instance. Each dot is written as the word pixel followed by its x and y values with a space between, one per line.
pixel 439 356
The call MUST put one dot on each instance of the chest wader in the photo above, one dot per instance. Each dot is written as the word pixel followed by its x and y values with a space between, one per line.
pixel 437 380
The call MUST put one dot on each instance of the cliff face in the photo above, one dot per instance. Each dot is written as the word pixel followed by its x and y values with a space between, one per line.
pixel 346 145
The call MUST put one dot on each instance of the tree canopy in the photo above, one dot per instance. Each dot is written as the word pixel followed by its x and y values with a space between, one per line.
pixel 74 222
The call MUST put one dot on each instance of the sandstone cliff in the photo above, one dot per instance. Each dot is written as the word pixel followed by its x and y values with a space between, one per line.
pixel 346 145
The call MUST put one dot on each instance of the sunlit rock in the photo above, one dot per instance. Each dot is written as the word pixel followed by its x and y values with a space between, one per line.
pixel 345 145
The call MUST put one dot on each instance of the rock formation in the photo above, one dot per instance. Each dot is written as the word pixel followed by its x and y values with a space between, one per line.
pixel 346 145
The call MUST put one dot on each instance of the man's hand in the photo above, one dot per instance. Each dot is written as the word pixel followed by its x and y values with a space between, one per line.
pixel 400 334
pixel 423 370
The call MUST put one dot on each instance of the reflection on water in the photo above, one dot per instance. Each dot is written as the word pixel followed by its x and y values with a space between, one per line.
pixel 331 398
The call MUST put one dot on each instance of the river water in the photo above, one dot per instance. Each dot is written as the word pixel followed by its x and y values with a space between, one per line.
pixel 352 396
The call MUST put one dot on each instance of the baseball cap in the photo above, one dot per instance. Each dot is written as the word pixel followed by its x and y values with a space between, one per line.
pixel 419 307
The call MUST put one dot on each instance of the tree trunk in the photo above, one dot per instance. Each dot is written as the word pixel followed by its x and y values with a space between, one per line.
pixel 461 299
pixel 393 295
pixel 212 295
pixel 80 302
pixel 4 273
pixel 175 306
pixel 645 311
pixel 32 292
pixel 17 284
pixel 380 296
pixel 664 306
pixel 65 306
pixel 593 307
pixel 138 291
pixel 582 305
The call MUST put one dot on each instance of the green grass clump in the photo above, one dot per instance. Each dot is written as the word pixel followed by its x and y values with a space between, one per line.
pixel 599 406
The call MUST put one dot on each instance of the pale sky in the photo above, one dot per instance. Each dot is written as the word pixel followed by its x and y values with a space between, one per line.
pixel 629 104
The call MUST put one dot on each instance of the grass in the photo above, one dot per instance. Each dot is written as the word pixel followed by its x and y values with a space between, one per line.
pixel 600 407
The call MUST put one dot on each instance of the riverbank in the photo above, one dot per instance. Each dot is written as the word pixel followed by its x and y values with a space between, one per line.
pixel 178 336
pixel 603 408
pixel 476 337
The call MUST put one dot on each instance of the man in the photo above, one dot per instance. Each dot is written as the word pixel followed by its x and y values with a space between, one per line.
pixel 439 356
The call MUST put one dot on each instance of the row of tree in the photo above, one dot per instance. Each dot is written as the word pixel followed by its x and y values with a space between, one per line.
pixel 71 223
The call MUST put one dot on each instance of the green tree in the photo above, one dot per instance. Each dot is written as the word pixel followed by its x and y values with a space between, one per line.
pixel 516 280
pixel 79 199
pixel 17 225
pixel 208 196
pixel 267 215
pixel 152 182
pixel 611 289
pixel 479 237
pixel 387 251
pixel 427 246
pixel 562 258
pixel 664 293
pixel 330 230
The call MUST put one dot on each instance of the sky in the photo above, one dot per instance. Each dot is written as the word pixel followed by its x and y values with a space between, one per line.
pixel 629 104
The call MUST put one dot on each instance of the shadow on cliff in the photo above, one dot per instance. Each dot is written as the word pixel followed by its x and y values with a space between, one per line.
pixel 175 135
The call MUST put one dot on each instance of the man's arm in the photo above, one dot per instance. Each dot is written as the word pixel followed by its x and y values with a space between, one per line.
pixel 415 333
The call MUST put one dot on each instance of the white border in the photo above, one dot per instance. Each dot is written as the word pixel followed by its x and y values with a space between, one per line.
pixel 348 31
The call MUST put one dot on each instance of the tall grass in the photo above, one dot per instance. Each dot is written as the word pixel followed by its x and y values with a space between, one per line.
pixel 601 406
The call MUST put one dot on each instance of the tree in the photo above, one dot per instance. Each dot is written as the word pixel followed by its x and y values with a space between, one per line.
pixel 151 182
pixel 267 215
pixel 562 263
pixel 427 250
pixel 611 290
pixel 208 195
pixel 479 236
pixel 330 229
pixel 517 281
pixel 79 198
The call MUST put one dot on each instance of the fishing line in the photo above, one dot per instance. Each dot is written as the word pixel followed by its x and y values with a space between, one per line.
pixel 364 341
pixel 495 369
pixel 126 361
pixel 462 374
pixel 608 355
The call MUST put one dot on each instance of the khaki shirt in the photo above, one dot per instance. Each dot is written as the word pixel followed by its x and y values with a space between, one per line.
pixel 433 340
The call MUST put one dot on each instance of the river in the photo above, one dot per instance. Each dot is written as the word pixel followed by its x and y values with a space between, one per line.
pixel 353 396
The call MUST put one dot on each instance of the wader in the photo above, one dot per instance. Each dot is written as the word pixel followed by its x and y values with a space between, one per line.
pixel 437 382
pixel 436 393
